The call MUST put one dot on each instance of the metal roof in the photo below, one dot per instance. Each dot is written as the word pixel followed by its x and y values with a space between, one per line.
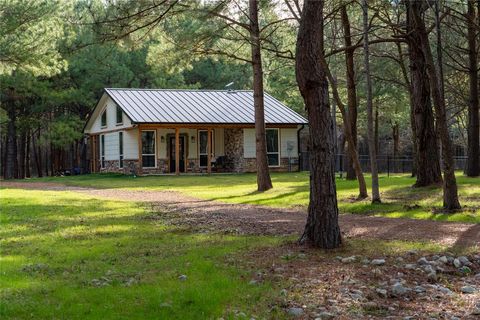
pixel 199 106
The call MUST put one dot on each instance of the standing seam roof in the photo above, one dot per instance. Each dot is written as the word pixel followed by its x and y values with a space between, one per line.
pixel 199 106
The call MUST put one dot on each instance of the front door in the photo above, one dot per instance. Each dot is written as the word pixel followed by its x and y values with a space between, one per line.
pixel 172 154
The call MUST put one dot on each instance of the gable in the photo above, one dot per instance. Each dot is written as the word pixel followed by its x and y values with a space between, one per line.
pixel 107 105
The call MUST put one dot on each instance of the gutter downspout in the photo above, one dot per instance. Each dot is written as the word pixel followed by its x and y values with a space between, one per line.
pixel 298 143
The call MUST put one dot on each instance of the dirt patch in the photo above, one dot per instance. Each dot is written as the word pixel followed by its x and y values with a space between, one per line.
pixel 260 220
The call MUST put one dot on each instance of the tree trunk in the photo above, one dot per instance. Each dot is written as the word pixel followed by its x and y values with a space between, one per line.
pixel 395 138
pixel 11 163
pixel 27 156
pixel 450 193
pixel 372 149
pixel 263 175
pixel 473 149
pixel 351 90
pixel 37 153
pixel 21 155
pixel 427 162
pixel 322 229
pixel 377 124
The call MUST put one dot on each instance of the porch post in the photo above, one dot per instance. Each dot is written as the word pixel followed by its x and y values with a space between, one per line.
pixel 140 147
pixel 177 151
pixel 209 150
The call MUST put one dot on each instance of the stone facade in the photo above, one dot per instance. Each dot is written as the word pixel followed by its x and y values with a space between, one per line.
pixel 234 161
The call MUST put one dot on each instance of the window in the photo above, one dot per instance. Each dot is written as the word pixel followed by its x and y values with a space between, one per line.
pixel 120 150
pixel 102 151
pixel 148 149
pixel 203 147
pixel 272 147
pixel 119 115
pixel 104 118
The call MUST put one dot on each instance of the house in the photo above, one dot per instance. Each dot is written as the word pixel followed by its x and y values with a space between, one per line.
pixel 173 131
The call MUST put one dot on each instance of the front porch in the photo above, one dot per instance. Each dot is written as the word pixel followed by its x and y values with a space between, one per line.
pixel 192 149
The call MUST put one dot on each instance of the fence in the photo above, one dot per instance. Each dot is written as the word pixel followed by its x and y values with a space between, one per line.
pixel 386 163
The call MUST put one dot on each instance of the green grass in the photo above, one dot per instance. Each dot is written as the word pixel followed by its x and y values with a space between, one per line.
pixel 53 244
pixel 400 200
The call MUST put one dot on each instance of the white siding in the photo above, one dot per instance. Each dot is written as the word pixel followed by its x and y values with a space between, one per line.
pixel 111 146
pixel 111 109
pixel 249 143
pixel 288 135
pixel 130 144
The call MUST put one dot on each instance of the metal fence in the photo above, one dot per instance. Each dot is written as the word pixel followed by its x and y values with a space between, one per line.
pixel 386 163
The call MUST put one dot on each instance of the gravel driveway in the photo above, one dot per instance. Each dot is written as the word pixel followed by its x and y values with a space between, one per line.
pixel 251 219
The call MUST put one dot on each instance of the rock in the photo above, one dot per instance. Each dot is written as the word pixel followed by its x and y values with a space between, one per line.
pixel 381 292
pixel 467 289
pixel 253 282
pixel 325 315
pixel 377 272
pixel 295 312
pixel 365 261
pixel 378 262
pixel 399 290
pixel 419 289
pixel 443 259
pixel 399 259
pixel 411 266
pixel 457 263
pixel 423 261
pixel 476 311
pixel 445 290
pixel 182 277
pixel 464 260
pixel 348 259
pixel 428 269
pixel 432 276
pixel 465 270
pixel 302 255
pixel 412 252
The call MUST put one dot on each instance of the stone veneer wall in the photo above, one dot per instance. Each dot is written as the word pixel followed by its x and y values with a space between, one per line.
pixel 234 160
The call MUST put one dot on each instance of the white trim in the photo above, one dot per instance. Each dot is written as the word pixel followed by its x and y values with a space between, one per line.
pixel 117 107
pixel 102 151
pixel 154 147
pixel 104 112
pixel 278 147
pixel 212 143
pixel 121 146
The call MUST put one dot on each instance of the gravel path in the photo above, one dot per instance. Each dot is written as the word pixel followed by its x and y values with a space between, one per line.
pixel 251 219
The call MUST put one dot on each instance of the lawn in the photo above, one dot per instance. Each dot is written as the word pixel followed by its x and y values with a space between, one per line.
pixel 73 256
pixel 400 200
pixel 69 256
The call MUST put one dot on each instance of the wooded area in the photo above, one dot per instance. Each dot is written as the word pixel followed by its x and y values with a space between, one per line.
pixel 403 75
